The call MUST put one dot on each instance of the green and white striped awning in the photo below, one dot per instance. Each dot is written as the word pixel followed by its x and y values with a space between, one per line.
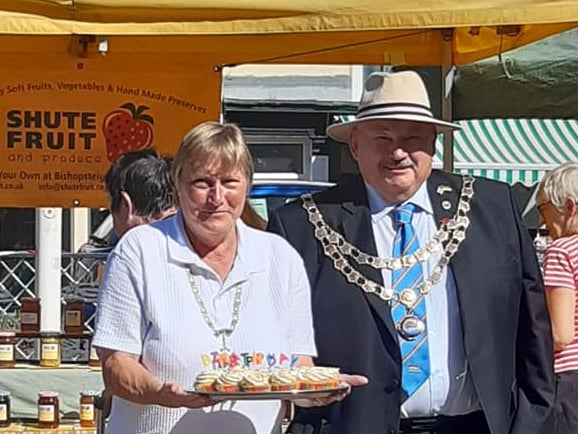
pixel 511 150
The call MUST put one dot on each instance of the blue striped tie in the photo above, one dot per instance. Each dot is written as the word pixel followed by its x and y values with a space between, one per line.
pixel 414 353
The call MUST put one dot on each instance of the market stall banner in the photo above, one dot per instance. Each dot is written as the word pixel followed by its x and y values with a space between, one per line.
pixel 64 120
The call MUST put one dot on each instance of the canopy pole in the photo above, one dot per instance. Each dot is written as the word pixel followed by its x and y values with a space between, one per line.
pixel 447 85
pixel 48 263
pixel 79 227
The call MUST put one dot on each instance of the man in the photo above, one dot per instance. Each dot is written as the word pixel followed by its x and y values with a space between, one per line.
pixel 140 189
pixel 423 281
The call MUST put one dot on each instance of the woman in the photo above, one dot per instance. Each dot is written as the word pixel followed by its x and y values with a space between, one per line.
pixel 199 282
pixel 557 200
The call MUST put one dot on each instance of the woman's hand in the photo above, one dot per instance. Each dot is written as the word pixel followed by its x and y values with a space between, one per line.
pixel 172 395
pixel 350 380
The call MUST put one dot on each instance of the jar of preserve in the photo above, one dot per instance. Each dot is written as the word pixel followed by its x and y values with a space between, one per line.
pixel 8 341
pixel 93 360
pixel 87 413
pixel 50 349
pixel 30 315
pixel 73 316
pixel 48 410
pixel 4 408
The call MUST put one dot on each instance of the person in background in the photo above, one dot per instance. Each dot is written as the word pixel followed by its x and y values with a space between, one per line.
pixel 196 283
pixel 557 201
pixel 140 189
pixel 425 282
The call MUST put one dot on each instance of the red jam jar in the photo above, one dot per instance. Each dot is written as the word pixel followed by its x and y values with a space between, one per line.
pixel 87 410
pixel 30 315
pixel 48 410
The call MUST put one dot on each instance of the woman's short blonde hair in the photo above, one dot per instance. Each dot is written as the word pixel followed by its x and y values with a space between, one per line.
pixel 212 142
pixel 560 184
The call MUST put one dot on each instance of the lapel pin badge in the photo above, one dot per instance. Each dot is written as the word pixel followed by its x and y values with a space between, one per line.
pixel 443 189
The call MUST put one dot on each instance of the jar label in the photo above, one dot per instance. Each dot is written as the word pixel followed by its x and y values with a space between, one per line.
pixel 28 318
pixel 3 412
pixel 72 318
pixel 87 412
pixel 46 413
pixel 50 352
pixel 6 353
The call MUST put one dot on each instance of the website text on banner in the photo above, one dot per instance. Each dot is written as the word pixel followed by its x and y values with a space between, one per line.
pixel 63 120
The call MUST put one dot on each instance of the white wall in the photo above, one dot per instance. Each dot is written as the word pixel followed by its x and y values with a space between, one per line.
pixel 293 82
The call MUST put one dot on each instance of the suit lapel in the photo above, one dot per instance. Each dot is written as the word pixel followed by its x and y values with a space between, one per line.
pixel 439 187
pixel 444 195
pixel 357 230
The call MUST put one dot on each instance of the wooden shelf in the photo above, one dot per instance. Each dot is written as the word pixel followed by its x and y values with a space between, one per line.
pixel 35 335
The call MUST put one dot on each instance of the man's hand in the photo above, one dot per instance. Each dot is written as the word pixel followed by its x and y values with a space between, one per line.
pixel 350 380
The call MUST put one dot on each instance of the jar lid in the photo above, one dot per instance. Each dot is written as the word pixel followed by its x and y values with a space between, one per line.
pixel 73 299
pixel 48 394
pixel 89 393
pixel 4 393
pixel 29 299
pixel 7 334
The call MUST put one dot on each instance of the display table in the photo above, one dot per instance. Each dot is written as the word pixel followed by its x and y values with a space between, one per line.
pixel 25 381
pixel 16 428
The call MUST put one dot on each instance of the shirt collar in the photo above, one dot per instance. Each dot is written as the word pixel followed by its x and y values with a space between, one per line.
pixel 180 249
pixel 380 207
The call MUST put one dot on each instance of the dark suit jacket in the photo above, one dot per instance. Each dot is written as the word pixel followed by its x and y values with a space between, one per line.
pixel 506 328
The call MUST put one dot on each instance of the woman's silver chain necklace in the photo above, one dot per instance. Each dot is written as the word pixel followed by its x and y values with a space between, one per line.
pixel 452 232
pixel 218 333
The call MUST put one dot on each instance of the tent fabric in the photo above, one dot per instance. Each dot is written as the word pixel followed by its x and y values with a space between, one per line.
pixel 242 16
pixel 536 81
pixel 302 31
pixel 511 150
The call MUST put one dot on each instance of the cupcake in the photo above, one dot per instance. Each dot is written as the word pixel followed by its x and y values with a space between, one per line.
pixel 229 381
pixel 283 379
pixel 205 381
pixel 255 381
pixel 318 378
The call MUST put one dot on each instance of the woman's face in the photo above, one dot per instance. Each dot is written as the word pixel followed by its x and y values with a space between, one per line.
pixel 211 200
pixel 558 221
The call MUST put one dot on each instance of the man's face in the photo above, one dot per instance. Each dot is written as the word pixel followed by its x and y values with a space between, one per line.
pixel 394 157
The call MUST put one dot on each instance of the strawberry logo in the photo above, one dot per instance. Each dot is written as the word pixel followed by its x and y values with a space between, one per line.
pixel 127 129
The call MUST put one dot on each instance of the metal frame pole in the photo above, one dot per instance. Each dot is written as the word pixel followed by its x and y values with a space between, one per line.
pixel 447 65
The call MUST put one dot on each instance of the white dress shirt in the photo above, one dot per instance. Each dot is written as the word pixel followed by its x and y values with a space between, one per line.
pixel 449 390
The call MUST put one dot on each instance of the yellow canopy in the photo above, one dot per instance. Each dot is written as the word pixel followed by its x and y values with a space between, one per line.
pixel 408 32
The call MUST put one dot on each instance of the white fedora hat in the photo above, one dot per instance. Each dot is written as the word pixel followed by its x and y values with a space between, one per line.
pixel 392 95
